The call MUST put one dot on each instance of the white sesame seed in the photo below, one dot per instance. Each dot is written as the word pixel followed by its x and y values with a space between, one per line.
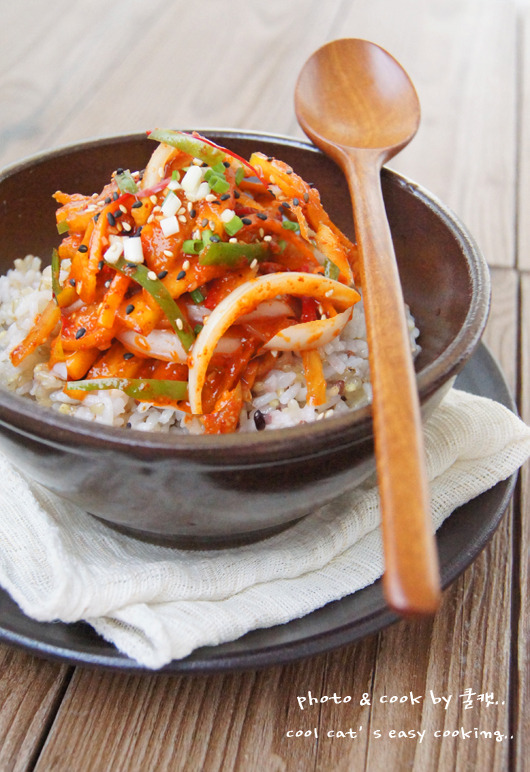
pixel 233 240
pixel 210 197
pixel 182 218
pixel 179 324
pixel 328 294
pixel 267 238
pixel 123 208
pixel 168 253
pixel 126 226
pixel 185 265
pixel 261 233
pixel 151 275
pixel 254 265
pixel 153 199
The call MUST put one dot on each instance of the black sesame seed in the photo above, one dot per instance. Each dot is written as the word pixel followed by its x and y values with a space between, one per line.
pixel 225 196
pixel 119 170
pixel 285 205
pixel 237 194
pixel 162 274
pixel 115 195
pixel 128 355
pixel 108 200
pixel 137 205
pixel 226 164
pixel 101 265
pixel 204 222
pixel 79 334
pixel 288 171
pixel 296 202
pixel 246 221
pixel 306 197
pixel 82 248
pixel 129 309
pixel 72 282
pixel 132 265
pixel 181 275
pixel 110 219
pixel 193 213
pixel 215 238
pixel 117 213
pixel 262 215
pixel 259 420
pixel 270 158
pixel 96 216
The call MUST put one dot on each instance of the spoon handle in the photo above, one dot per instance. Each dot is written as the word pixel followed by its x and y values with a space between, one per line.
pixel 411 581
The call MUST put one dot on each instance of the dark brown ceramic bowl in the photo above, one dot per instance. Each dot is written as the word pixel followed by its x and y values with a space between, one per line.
pixel 209 489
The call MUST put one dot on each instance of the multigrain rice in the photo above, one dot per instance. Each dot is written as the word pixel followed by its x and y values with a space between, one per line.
pixel 279 399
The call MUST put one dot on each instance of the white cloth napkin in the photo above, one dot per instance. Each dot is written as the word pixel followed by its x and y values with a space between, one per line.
pixel 157 604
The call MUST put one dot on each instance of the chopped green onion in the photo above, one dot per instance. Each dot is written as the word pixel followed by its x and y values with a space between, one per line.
pixel 159 292
pixel 175 175
pixel 331 270
pixel 146 389
pixel 125 182
pixel 198 328
pixel 217 180
pixel 225 253
pixel 192 246
pixel 197 296
pixel 62 227
pixel 240 174
pixel 234 225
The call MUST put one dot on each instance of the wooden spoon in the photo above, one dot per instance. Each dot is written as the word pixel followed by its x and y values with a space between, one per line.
pixel 358 105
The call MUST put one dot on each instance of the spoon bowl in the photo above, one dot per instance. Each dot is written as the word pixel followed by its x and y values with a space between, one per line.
pixel 359 106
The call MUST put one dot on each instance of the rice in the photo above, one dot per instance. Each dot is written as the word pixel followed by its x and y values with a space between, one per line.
pixel 280 397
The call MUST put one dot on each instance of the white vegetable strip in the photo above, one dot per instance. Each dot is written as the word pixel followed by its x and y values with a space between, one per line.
pixel 309 335
pixel 166 345
pixel 158 160
pixel 244 299
pixel 160 344
pixel 268 310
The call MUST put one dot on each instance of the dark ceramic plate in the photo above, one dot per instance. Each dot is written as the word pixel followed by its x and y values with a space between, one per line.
pixel 460 540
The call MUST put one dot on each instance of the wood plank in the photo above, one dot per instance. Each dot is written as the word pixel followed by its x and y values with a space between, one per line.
pixel 523 251
pixel 521 728
pixel 461 57
pixel 463 649
pixel 30 691
pixel 132 67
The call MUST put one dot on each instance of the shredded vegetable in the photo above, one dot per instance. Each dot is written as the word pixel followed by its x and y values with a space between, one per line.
pixel 177 284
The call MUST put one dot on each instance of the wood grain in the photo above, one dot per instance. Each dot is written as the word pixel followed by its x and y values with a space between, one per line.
pixel 69 71
pixel 461 57
pixel 30 692
pixel 523 222
pixel 521 725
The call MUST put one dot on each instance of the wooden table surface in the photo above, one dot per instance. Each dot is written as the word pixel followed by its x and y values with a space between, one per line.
pixel 71 70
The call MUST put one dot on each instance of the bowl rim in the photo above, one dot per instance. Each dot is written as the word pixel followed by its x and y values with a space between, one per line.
pixel 17 412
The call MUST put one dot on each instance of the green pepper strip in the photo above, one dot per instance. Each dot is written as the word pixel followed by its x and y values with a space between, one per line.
pixel 191 145
pixel 140 274
pixel 145 389
pixel 226 253
pixel 56 268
